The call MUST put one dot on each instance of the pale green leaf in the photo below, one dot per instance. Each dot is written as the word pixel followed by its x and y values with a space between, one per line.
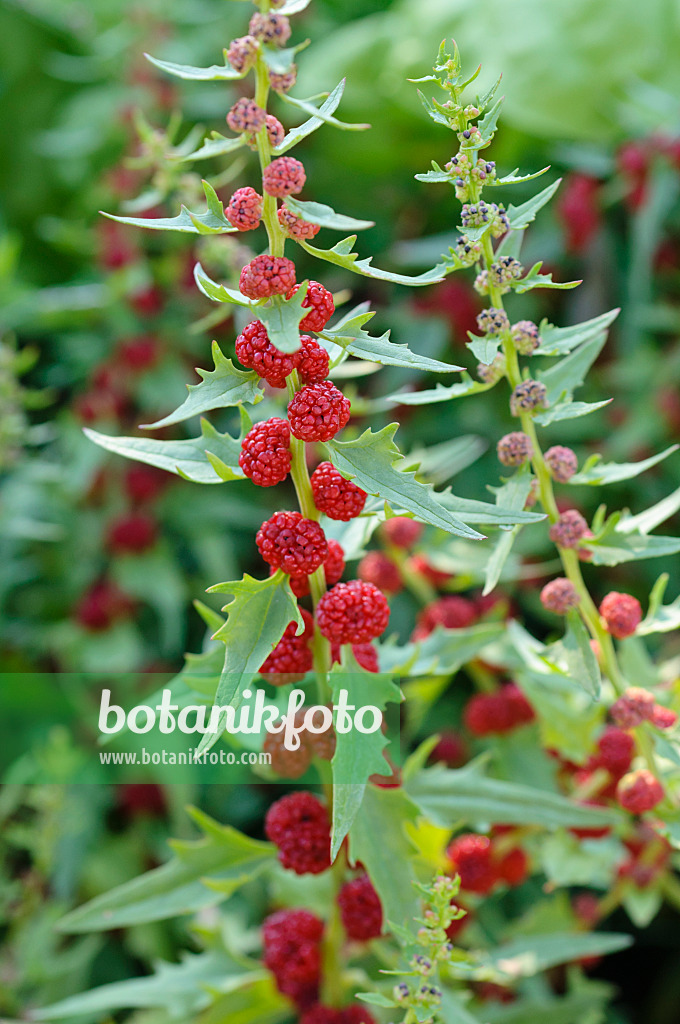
pixel 533 954
pixel 569 373
pixel 326 109
pixel 325 216
pixel 440 393
pixel 581 661
pixel 660 617
pixel 351 336
pixel 211 222
pixel 484 349
pixel 216 145
pixel 534 279
pixel 218 292
pixel 568 410
pixel 318 113
pixel 512 496
pixel 556 341
pixel 342 256
pixel 215 73
pixel 596 472
pixel 281 318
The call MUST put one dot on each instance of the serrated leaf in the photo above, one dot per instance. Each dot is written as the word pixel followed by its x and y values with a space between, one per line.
pixel 357 755
pixel 221 388
pixel 569 373
pixel 379 827
pixel 211 222
pixel 282 317
pixel 320 114
pixel 580 657
pixel 534 279
pixel 527 956
pixel 342 256
pixel 351 336
pixel 325 216
pixel 521 216
pixel 484 349
pixel 596 472
pixel 556 341
pixel 371 461
pixel 568 411
pixel 440 393
pixel 513 178
pixel 189 459
pixel 216 145
pixel 218 292
pixel 448 796
pixel 215 73
pixel 619 546
pixel 257 616
pixel 223 853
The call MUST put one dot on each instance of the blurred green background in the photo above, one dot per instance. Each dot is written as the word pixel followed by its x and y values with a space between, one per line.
pixel 99 325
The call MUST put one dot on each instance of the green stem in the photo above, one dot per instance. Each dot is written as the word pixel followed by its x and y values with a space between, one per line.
pixel 333 989
pixel 277 238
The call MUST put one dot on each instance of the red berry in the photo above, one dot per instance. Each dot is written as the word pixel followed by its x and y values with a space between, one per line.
pixel 275 131
pixel 450 612
pixel 559 596
pixel 144 483
pixel 320 301
pixel 319 1014
pixel 296 227
pixel 290 542
pixel 360 909
pixel 291 659
pixel 632 708
pixel 135 532
pixel 365 655
pixel 615 750
pixel 470 857
pixel 569 529
pixel 266 276
pixel 283 177
pixel 333 566
pixel 378 568
pixel 102 605
pixel 451 749
pixel 561 462
pixel 289 764
pixel 639 791
pixel 244 210
pixel 663 717
pixel 318 412
pixel 255 350
pixel 402 531
pixel 139 353
pixel 335 496
pixel 292 952
pixel 270 28
pixel 265 452
pixel 299 825
pixel 313 362
pixel 245 116
pixel 622 614
pixel 352 613
pixel 578 210
pixel 513 867
pixel 499 712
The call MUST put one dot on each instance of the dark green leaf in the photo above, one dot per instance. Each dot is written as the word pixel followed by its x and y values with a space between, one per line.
pixel 282 317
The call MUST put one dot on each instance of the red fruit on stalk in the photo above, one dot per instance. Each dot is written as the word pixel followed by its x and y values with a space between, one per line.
pixel 266 276
pixel 255 351
pixel 378 568
pixel 353 613
pixel 335 496
pixel 622 614
pixel 265 452
pixel 318 412
pixel 298 824
pixel 292 658
pixel 333 566
pixel 290 542
pixel 133 533
pixel 471 858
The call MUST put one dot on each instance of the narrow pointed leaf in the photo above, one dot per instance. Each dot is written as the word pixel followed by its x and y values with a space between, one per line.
pixel 218 292
pixel 215 73
pixel 354 339
pixel 216 145
pixel 342 256
pixel 325 216
pixel 212 222
pixel 320 114
pixel 556 341
pixel 596 472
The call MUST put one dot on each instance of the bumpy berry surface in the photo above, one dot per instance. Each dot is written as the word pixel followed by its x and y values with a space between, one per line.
pixel 320 303
pixel 283 177
pixel 402 531
pixel 500 712
pixel 514 449
pixel 244 209
pixel 360 909
pixel 615 749
pixel 276 133
pixel 292 658
pixel 296 227
pixel 559 596
pixel 284 81
pixel 378 568
pixel 333 568
pixel 290 542
pixel 313 361
pixel 450 612
pixel 639 791
pixel 632 708
pixel 493 321
pixel 569 529
pixel 561 462
pixel 318 412
pixel 525 337
pixel 299 826
pixel 292 952
pixel 242 53
pixel 622 614
pixel 352 613
pixel 270 28
pixel 527 396
pixel 135 532
pixel 255 350
pixel 265 452
pixel 246 116
pixel 266 276
pixel 470 857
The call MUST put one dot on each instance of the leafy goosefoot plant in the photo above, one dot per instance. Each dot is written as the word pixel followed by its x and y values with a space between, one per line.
pixel 314 957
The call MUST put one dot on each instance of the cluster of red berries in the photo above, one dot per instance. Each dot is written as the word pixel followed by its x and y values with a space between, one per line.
pixel 485 862
pixel 499 712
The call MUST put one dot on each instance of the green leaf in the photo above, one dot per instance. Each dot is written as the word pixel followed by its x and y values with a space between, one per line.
pixel 212 222
pixel 513 496
pixel 436 175
pixel 653 516
pixel 597 472
pixel 618 546
pixel 214 73
pixel 440 393
pixel 282 317
pixel 660 618
pixel 487 125
pixel 522 216
pixel 325 216
pixel 351 336
pixel 318 114
pixel 534 279
pixel 281 60
pixel 327 108
pixel 357 755
pixel 257 617
pixel 448 796
pixel 439 462
pixel 221 388
pixel 222 854
pixel 218 292
pixel 197 459
pixel 443 652
pixel 216 145
pixel 580 657
pixel 342 256
pixel 181 989
pixel 568 410
pixel 375 999
pixel 484 349
pixel 378 839
pixel 564 377
pixel 513 178
pixel 434 110
pixel 555 341
pixel 484 514
pixel 525 957
pixel 371 460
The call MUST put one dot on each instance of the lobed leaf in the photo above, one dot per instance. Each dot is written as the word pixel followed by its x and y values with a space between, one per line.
pixel 342 256
pixel 212 222
pixel 351 336
pixel 534 279
pixel 325 216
